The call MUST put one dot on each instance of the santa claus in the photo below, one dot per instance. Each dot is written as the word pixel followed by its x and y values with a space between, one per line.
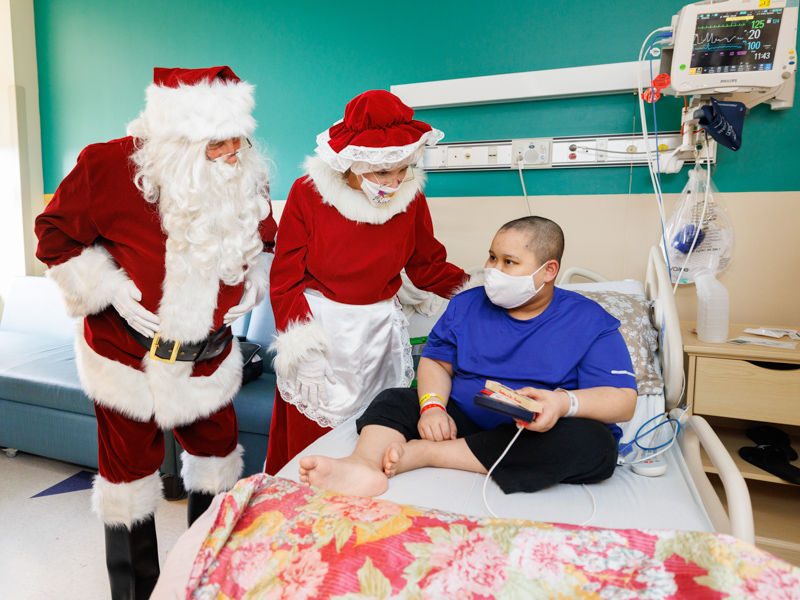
pixel 350 226
pixel 160 240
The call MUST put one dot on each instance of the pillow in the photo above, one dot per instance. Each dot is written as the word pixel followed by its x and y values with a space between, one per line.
pixel 633 312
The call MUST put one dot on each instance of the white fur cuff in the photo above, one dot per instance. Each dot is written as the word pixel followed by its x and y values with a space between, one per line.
pixel 212 474
pixel 258 274
pixel 124 504
pixel 88 281
pixel 294 345
pixel 475 280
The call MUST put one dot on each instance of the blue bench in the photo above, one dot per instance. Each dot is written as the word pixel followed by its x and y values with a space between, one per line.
pixel 43 409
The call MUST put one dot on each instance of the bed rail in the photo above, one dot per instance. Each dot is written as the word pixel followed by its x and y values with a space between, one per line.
pixel 664 316
pixel 580 272
pixel 738 520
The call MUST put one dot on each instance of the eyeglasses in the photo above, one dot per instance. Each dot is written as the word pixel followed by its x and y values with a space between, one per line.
pixel 223 157
pixel 389 177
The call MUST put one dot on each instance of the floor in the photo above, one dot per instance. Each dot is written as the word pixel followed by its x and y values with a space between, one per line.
pixel 51 544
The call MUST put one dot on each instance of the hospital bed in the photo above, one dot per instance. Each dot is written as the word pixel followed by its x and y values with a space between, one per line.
pixel 276 535
pixel 682 498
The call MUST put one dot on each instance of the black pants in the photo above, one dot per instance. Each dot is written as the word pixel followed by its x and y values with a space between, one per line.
pixel 574 451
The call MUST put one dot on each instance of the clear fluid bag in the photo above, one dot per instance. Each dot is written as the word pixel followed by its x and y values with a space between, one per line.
pixel 699 233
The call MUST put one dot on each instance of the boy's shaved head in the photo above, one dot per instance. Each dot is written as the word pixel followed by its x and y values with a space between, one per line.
pixel 545 238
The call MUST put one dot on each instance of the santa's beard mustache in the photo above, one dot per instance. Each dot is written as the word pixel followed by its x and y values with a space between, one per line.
pixel 224 171
pixel 210 212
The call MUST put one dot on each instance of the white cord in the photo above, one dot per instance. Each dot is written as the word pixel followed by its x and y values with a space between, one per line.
pixel 469 494
pixel 524 191
pixel 608 151
pixel 594 505
pixel 653 175
pixel 633 135
pixel 489 474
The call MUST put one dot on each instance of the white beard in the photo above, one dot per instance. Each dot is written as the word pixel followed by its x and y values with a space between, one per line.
pixel 209 211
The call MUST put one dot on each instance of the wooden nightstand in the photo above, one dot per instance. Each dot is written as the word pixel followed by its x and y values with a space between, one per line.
pixel 737 387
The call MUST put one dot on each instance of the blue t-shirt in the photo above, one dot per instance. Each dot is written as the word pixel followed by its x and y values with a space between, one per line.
pixel 573 344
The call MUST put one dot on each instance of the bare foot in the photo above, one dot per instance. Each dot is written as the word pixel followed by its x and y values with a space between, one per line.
pixel 343 475
pixel 404 456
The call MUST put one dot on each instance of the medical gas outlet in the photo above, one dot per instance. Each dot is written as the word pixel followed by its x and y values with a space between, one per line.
pixel 531 153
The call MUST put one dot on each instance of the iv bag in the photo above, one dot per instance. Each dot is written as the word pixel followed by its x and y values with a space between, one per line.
pixel 699 230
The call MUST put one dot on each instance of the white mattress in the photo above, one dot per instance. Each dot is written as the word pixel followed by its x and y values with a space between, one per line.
pixel 626 500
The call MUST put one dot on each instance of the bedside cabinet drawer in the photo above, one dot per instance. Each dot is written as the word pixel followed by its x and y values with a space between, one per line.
pixel 740 389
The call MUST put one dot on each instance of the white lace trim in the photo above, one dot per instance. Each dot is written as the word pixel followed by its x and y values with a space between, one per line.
pixel 288 394
pixel 363 158
pixel 400 325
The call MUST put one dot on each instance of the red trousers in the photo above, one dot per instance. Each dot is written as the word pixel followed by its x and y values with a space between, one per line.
pixel 129 450
pixel 289 434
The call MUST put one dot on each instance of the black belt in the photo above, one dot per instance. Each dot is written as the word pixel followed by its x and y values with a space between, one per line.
pixel 171 350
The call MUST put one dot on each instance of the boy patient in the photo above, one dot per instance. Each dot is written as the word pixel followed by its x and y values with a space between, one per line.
pixel 522 331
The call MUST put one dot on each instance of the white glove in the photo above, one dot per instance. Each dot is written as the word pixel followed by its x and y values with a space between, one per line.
pixel 250 299
pixel 311 376
pixel 126 302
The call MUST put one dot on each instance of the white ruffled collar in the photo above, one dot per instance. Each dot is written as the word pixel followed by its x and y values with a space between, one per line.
pixel 353 204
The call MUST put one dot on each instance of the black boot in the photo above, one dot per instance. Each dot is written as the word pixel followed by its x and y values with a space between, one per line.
pixel 198 502
pixel 132 560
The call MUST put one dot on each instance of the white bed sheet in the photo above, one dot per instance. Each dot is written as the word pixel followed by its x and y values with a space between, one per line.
pixel 626 500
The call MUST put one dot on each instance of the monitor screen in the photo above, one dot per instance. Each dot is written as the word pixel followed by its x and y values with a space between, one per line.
pixel 731 42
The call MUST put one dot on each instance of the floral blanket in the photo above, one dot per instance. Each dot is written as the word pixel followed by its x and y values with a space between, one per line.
pixel 277 539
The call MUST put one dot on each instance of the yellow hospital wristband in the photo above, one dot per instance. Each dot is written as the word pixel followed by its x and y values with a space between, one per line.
pixel 427 397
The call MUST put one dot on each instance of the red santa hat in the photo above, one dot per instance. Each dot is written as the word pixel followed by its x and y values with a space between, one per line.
pixel 199 104
pixel 377 132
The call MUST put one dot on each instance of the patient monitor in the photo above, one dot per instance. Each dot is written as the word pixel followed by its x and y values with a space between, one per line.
pixel 733 46
pixel 735 50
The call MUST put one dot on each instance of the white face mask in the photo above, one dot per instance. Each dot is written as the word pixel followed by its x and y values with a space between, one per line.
pixel 510 291
pixel 377 194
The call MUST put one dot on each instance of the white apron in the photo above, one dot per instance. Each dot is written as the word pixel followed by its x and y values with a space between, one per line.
pixel 371 353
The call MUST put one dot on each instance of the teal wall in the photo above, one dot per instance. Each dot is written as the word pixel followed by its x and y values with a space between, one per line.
pixel 308 59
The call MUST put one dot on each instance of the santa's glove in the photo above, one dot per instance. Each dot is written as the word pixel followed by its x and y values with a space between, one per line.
pixel 250 299
pixel 311 376
pixel 126 302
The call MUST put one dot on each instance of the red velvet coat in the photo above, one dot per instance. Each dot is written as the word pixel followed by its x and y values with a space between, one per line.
pixel 98 203
pixel 98 223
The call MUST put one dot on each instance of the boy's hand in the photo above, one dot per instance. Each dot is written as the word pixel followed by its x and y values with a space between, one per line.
pixel 554 406
pixel 436 425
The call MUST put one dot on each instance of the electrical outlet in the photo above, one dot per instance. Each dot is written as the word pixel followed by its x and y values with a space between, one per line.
pixel 531 153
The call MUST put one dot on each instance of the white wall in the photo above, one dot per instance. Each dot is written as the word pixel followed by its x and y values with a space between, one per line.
pixel 21 186
pixel 612 234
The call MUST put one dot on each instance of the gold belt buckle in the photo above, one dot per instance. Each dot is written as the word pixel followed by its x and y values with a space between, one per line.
pixel 154 346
